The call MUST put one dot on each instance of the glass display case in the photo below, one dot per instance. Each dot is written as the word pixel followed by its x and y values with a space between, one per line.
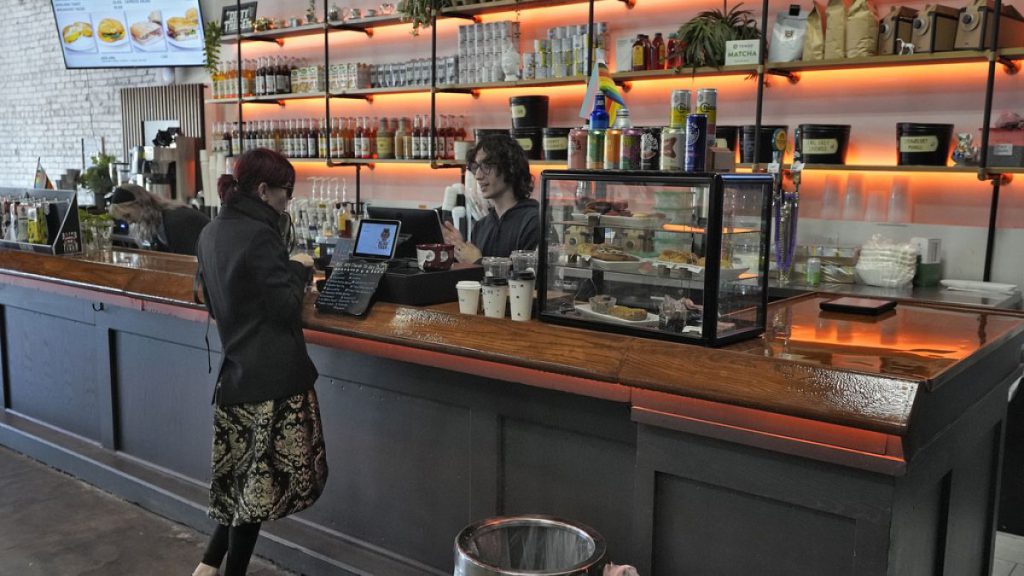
pixel 677 256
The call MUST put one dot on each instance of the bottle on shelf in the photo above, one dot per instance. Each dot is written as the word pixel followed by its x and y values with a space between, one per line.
pixel 371 138
pixel 638 54
pixel 236 140
pixel 261 85
pixel 282 76
pixel 309 132
pixel 401 152
pixel 385 140
pixel 323 140
pixel 358 140
pixel 673 51
pixel 225 139
pixel 417 139
pixel 660 51
pixel 599 115
pixel 348 139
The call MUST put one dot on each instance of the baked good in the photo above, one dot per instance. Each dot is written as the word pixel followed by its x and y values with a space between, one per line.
pixel 182 29
pixel 609 254
pixel 76 30
pixel 146 32
pixel 111 30
pixel 677 256
pixel 627 313
pixel 192 15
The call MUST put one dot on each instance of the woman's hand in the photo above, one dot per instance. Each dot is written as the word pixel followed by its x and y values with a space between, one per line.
pixel 464 251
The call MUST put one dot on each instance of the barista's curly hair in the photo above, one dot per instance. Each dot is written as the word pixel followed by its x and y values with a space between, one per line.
pixel 509 159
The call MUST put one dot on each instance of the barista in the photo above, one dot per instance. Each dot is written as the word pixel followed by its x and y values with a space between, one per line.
pixel 513 220
pixel 163 224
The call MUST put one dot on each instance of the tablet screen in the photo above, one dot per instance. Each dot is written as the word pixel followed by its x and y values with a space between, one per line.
pixel 376 239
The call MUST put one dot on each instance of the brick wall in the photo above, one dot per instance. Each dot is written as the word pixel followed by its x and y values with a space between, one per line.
pixel 46 110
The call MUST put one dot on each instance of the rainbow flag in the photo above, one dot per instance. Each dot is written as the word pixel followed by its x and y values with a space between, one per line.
pixel 41 179
pixel 601 79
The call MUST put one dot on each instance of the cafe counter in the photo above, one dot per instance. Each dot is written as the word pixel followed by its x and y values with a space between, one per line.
pixel 834 444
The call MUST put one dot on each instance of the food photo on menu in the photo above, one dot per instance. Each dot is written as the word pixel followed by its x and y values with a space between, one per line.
pixel 140 33
pixel 147 31
pixel 111 32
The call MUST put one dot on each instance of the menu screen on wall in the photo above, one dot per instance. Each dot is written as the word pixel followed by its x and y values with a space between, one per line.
pixel 129 33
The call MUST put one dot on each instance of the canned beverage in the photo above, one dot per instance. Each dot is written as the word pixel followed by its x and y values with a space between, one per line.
pixel 813 271
pixel 650 141
pixel 707 104
pixel 595 150
pixel 629 149
pixel 673 142
pixel 696 143
pixel 577 149
pixel 612 138
pixel 680 108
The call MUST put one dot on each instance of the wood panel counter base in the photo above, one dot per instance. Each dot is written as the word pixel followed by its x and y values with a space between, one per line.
pixel 827 447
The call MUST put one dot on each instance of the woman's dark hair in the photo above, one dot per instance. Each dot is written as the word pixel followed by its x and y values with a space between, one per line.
pixel 253 168
pixel 509 159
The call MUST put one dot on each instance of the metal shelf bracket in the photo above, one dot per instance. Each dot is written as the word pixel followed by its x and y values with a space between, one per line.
pixel 793 77
pixel 1010 65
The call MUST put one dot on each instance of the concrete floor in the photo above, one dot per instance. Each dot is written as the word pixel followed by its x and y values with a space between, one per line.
pixel 54 525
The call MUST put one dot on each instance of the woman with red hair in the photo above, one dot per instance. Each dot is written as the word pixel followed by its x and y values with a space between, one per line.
pixel 268 449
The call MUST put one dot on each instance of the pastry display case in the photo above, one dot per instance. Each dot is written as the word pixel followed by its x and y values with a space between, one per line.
pixel 676 256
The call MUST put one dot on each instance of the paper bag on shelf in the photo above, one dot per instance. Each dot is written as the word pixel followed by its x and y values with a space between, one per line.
pixel 861 30
pixel 835 30
pixel 814 37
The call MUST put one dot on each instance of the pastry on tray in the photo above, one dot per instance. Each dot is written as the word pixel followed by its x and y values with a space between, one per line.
pixel 627 313
pixel 609 254
pixel 678 256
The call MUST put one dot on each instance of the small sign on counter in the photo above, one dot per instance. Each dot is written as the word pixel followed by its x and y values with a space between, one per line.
pixel 351 288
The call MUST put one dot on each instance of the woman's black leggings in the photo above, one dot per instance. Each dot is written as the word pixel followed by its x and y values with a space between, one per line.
pixel 237 542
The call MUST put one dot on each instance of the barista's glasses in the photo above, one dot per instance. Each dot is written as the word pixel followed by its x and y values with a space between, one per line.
pixel 485 168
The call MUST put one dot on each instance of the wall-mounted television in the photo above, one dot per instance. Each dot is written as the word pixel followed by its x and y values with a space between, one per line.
pixel 136 34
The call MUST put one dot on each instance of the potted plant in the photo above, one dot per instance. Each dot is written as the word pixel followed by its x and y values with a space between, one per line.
pixel 211 45
pixel 97 176
pixel 702 39
pixel 421 12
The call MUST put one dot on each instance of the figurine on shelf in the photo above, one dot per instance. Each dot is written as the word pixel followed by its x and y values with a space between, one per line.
pixel 965 153
pixel 334 14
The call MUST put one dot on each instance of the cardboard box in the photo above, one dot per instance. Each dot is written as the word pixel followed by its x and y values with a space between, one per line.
pixel 898 24
pixel 977 26
pixel 935 28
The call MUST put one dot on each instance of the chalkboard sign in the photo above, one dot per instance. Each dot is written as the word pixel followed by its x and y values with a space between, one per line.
pixel 351 287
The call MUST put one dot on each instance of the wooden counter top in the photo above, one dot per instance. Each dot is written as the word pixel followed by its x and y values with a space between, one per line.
pixel 851 371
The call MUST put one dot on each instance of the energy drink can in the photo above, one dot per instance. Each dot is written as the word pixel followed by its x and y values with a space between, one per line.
pixel 707 104
pixel 813 271
pixel 577 159
pixel 673 141
pixel 696 143
pixel 680 108
pixel 612 140
pixel 650 148
pixel 595 150
pixel 629 149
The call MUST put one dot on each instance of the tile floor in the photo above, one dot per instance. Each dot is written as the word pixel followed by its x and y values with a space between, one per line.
pixel 1009 555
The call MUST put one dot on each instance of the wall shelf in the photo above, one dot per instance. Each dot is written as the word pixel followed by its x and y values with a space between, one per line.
pixel 951 57
pixel 534 83
pixel 873 168
pixel 510 6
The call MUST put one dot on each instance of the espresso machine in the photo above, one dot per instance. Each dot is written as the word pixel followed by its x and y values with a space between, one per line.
pixel 169 171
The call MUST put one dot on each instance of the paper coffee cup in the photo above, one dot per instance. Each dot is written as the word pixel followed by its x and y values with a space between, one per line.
pixel 469 296
pixel 520 297
pixel 495 299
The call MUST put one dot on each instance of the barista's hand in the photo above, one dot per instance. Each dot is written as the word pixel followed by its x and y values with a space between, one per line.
pixel 466 253
pixel 303 258
pixel 451 234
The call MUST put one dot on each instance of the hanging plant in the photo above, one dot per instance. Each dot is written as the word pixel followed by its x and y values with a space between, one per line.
pixel 211 45
pixel 421 12
pixel 702 40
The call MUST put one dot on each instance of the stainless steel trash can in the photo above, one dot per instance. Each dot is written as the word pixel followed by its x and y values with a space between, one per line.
pixel 533 545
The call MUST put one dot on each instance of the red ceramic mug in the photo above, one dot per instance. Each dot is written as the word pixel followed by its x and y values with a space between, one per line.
pixel 433 257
